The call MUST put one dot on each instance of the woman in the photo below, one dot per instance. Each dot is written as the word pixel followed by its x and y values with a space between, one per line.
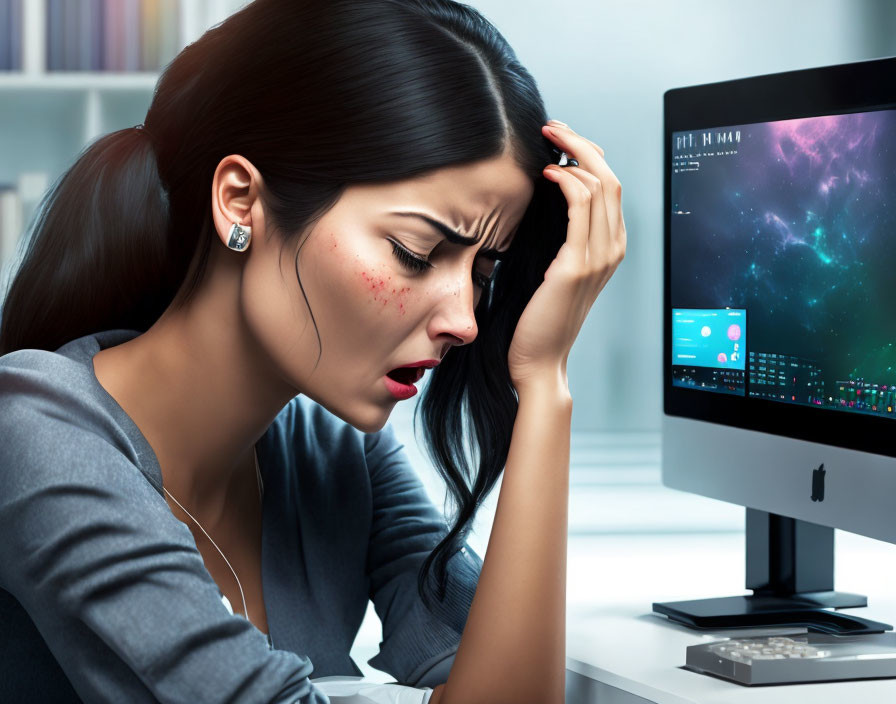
pixel 199 490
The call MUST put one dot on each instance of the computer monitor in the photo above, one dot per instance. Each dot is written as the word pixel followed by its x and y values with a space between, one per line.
pixel 779 312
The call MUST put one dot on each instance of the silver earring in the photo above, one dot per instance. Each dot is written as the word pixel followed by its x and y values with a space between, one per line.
pixel 239 237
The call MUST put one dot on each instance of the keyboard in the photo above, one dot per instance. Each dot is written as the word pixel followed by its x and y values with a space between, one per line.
pixel 808 657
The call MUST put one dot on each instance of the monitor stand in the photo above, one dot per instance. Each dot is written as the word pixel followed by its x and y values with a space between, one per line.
pixel 790 568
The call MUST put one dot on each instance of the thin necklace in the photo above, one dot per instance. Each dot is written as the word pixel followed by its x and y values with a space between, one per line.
pixel 260 494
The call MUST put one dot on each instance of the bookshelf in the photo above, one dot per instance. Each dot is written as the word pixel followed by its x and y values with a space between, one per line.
pixel 48 116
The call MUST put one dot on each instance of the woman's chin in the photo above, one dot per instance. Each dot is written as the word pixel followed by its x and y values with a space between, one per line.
pixel 370 421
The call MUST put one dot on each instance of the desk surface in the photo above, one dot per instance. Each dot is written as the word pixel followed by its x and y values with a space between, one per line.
pixel 642 654
pixel 632 655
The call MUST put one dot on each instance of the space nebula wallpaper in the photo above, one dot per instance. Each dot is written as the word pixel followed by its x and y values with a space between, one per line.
pixel 794 223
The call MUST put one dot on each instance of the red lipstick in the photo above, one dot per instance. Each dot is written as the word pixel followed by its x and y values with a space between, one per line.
pixel 401 383
pixel 428 363
pixel 399 390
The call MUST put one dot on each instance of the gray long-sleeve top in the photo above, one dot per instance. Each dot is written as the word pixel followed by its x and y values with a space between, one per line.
pixel 104 595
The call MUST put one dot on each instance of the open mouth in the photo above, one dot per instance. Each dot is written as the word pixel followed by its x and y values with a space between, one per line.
pixel 406 375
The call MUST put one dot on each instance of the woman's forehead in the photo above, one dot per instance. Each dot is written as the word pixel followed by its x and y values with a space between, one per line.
pixel 478 197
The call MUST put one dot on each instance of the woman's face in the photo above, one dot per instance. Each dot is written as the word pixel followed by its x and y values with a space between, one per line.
pixel 373 311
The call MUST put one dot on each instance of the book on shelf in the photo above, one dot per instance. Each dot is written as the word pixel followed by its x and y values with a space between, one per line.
pixel 11 35
pixel 111 35
pixel 52 36
pixel 96 35
pixel 11 221
pixel 18 205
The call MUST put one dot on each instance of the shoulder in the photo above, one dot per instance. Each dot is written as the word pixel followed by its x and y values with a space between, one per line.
pixel 52 411
pixel 29 376
pixel 36 383
pixel 32 365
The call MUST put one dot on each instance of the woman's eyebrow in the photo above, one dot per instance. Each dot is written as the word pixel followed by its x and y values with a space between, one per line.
pixel 454 236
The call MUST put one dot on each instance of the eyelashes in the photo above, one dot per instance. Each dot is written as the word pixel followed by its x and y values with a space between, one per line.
pixel 410 261
pixel 417 264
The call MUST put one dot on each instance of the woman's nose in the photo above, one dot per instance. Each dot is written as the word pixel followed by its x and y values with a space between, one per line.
pixel 455 315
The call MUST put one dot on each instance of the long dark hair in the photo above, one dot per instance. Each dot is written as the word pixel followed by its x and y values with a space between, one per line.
pixel 318 95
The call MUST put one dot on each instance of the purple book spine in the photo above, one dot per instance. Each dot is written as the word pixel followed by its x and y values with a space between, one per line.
pixel 96 35
pixel 17 28
pixel 6 32
pixel 71 20
pixel 131 26
pixel 112 58
pixel 84 35
pixel 52 31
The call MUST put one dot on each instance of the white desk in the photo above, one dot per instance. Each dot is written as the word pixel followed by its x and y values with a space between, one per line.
pixel 620 656
pixel 619 652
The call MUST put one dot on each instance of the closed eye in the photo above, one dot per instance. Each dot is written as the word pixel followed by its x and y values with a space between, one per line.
pixel 412 261
pixel 416 263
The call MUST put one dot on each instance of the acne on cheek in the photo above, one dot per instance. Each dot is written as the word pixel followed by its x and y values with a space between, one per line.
pixel 383 290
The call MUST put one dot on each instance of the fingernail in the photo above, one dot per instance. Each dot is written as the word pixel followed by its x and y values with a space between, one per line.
pixel 557 122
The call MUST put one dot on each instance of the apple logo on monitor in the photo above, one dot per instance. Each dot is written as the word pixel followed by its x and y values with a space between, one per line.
pixel 818 483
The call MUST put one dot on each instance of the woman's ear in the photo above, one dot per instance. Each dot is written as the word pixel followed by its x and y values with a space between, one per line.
pixel 236 186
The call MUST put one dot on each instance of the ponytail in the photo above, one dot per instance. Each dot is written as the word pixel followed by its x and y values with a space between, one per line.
pixel 99 255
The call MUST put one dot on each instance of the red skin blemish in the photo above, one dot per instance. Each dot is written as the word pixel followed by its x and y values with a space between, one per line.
pixel 377 286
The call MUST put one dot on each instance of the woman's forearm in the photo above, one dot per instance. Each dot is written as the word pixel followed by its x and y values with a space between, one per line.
pixel 513 648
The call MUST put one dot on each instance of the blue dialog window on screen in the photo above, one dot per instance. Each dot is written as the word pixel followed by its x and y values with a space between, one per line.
pixel 709 349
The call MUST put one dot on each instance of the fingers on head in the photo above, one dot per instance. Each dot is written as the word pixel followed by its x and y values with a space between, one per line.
pixel 579 187
pixel 599 150
pixel 591 183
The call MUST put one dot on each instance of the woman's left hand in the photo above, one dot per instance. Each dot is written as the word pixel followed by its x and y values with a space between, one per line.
pixel 594 247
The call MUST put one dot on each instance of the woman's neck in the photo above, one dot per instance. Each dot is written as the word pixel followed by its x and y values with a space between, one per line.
pixel 201 394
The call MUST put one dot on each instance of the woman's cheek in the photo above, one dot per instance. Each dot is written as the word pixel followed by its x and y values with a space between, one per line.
pixel 383 291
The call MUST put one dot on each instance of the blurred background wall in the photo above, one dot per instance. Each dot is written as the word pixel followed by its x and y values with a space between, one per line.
pixel 602 68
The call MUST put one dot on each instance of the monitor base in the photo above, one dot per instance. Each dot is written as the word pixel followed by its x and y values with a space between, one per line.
pixel 806 610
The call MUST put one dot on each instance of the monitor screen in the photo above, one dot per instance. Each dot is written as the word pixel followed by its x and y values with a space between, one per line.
pixel 783 261
pixel 779 293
